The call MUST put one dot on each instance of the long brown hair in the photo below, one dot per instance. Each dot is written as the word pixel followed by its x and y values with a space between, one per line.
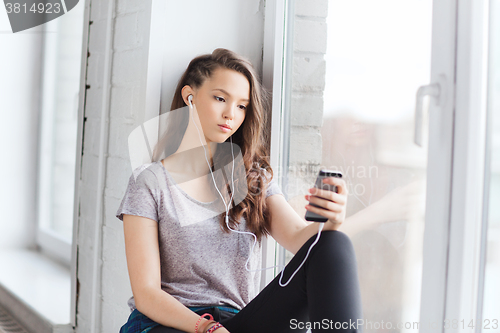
pixel 250 138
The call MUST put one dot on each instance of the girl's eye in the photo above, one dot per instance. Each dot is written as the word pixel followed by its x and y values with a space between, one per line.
pixel 220 99
pixel 243 107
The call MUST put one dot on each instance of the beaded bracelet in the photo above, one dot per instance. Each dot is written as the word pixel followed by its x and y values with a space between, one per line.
pixel 213 328
pixel 205 326
pixel 199 320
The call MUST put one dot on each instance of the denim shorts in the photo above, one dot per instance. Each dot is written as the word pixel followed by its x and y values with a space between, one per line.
pixel 139 323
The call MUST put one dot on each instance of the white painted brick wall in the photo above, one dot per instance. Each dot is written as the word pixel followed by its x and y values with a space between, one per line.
pixel 309 35
pixel 306 142
pixel 127 33
pixel 123 103
pixel 130 63
pixel 125 6
pixel 314 8
pixel 118 135
pixel 309 73
pixel 308 84
pixel 309 110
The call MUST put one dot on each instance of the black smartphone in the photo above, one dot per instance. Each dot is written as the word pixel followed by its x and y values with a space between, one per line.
pixel 310 216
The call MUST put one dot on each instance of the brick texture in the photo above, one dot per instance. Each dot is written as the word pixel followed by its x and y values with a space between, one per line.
pixel 308 84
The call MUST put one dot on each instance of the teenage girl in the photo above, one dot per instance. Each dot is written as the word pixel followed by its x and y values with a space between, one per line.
pixel 192 270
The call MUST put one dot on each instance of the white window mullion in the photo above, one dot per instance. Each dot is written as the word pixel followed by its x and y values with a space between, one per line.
pixel 468 165
pixel 435 247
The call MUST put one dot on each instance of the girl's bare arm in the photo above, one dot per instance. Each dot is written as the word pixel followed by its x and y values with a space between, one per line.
pixel 143 261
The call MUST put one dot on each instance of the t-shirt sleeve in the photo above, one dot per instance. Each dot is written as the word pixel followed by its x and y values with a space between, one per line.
pixel 140 197
pixel 272 187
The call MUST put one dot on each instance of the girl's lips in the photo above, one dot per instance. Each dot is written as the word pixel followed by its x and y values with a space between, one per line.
pixel 224 129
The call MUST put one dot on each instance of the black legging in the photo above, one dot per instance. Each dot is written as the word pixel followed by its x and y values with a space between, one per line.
pixel 323 295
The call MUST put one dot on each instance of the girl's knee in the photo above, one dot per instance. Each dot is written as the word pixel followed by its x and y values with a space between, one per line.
pixel 336 244
pixel 336 238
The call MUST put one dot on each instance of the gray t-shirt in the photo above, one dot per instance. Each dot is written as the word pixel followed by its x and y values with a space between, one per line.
pixel 200 263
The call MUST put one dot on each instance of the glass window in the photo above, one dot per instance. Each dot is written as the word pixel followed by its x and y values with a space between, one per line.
pixel 58 132
pixel 353 69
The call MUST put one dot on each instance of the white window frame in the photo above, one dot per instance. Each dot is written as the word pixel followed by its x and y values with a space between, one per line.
pixel 51 243
pixel 487 174
pixel 453 224
pixel 463 271
pixel 273 77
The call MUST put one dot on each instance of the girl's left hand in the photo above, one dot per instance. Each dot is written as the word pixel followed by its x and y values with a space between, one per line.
pixel 331 205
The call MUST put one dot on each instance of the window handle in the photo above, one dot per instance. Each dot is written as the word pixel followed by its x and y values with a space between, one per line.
pixel 435 91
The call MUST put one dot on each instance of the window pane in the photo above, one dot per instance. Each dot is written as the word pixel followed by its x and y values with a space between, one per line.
pixel 491 307
pixel 354 71
pixel 61 83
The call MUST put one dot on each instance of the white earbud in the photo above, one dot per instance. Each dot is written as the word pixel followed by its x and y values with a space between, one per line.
pixel 190 100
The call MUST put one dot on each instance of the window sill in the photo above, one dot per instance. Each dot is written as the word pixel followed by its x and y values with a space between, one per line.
pixel 35 291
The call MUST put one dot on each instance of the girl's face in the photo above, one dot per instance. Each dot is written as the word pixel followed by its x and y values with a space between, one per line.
pixel 221 100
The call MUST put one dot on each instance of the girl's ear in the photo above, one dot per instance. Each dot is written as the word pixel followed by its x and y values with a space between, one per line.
pixel 185 92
